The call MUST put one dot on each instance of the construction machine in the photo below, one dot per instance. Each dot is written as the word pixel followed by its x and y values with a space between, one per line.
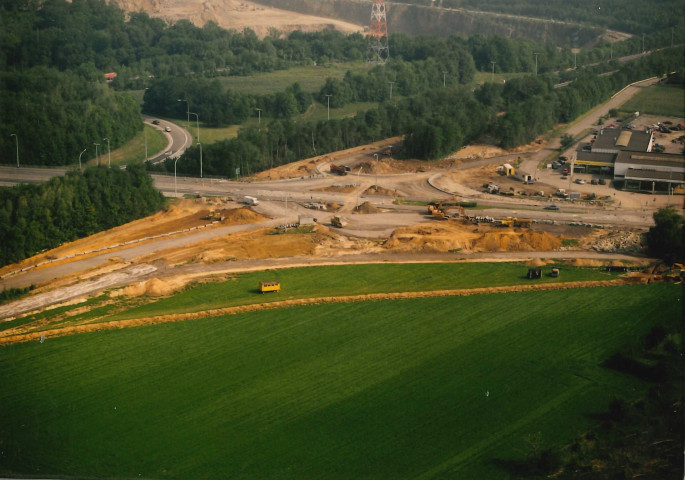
pixel 213 215
pixel 337 221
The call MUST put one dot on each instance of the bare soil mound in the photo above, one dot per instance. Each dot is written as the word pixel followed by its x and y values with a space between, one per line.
pixel 241 215
pixel 378 190
pixel 452 236
pixel 366 208
pixel 153 287
pixel 236 14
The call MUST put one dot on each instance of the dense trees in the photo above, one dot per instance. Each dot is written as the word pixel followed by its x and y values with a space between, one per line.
pixel 38 217
pixel 635 16
pixel 58 114
pixel 217 106
pixel 666 239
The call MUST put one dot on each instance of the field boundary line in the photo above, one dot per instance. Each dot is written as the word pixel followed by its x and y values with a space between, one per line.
pixel 368 297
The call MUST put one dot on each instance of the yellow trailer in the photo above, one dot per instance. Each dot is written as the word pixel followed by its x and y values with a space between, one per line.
pixel 269 286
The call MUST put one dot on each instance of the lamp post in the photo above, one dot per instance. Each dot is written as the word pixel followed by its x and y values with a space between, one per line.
pixel 493 71
pixel 16 140
pixel 187 110
pixel 79 159
pixel 358 184
pixel 391 89
pixel 536 62
pixel 96 152
pixel 376 155
pixel 109 153
pixel 443 79
pixel 200 158
pixel 328 96
pixel 259 117
pixel 575 63
pixel 175 189
pixel 197 119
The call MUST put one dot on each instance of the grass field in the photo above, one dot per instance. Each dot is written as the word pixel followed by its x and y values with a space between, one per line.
pixel 134 150
pixel 311 78
pixel 658 100
pixel 351 280
pixel 424 388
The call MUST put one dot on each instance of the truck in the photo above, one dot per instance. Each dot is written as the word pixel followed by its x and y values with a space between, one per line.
pixel 252 201
pixel 339 169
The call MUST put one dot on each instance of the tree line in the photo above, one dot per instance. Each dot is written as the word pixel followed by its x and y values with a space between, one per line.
pixel 56 115
pixel 38 217
pixel 433 123
pixel 633 16
pixel 218 106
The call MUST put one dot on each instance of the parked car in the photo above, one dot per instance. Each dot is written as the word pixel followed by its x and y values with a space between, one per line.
pixel 155 122
pixel 167 129
pixel 551 207
pixel 580 181
pixel 594 181
pixel 602 181
pixel 555 164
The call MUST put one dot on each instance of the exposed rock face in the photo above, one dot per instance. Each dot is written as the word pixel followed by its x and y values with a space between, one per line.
pixel 235 14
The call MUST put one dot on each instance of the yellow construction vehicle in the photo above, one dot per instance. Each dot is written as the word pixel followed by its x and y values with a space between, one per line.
pixel 337 221
pixel 213 215
pixel 269 287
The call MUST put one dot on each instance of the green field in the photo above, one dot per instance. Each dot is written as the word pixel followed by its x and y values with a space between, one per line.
pixel 351 280
pixel 134 150
pixel 424 388
pixel 311 78
pixel 658 100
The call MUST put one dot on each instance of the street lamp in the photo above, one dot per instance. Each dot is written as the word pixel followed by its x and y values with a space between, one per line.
pixel 376 155
pixel 200 158
pixel 96 152
pixel 328 96
pixel 187 109
pixel 175 190
pixel 259 117
pixel 197 118
pixel 79 158
pixel 443 79
pixel 536 62
pixel 391 89
pixel 358 185
pixel 109 153
pixel 493 71
pixel 16 139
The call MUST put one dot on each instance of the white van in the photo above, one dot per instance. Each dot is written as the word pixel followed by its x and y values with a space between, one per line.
pixel 247 200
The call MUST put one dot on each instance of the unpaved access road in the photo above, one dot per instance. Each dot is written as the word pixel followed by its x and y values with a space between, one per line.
pixel 136 273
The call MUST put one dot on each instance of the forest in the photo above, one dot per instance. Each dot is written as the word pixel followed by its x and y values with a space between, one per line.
pixel 434 122
pixel 34 218
pixel 632 16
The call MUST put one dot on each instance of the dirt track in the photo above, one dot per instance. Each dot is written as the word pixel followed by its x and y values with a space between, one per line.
pixel 96 327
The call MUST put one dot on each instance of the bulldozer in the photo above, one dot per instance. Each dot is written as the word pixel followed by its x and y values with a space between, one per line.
pixel 337 221
pixel 213 215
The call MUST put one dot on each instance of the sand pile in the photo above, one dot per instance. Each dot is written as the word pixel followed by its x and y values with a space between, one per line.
pixel 366 208
pixel 153 287
pixel 516 241
pixel 241 215
pixel 448 236
pixel 378 190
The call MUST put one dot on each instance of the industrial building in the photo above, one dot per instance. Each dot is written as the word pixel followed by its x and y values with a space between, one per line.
pixel 627 156
pixel 650 172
